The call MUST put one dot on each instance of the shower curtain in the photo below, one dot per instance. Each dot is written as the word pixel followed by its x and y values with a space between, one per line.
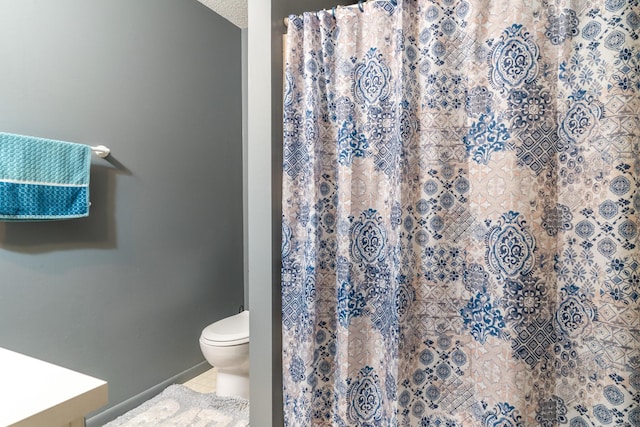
pixel 461 205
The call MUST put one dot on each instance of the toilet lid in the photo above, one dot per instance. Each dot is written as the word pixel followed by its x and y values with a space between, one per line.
pixel 232 330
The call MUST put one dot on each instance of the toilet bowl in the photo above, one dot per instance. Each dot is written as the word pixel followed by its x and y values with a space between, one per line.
pixel 225 345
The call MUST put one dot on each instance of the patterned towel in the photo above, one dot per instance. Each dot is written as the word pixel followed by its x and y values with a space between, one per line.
pixel 42 179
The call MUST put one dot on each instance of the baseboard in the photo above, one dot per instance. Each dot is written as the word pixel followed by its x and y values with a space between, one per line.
pixel 110 414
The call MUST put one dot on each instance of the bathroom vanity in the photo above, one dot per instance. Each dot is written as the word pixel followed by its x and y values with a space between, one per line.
pixel 36 393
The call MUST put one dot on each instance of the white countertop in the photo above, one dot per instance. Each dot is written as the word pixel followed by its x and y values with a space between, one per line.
pixel 37 393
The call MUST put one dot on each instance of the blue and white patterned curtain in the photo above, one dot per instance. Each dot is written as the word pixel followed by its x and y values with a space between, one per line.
pixel 461 207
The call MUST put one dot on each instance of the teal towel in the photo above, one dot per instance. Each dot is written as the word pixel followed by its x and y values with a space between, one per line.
pixel 43 179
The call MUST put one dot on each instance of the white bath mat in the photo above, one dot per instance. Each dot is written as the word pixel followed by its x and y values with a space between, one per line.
pixel 179 406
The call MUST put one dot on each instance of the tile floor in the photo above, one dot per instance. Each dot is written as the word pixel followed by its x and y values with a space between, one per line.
pixel 203 383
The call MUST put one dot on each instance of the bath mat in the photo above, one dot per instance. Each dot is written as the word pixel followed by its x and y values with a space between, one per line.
pixel 179 406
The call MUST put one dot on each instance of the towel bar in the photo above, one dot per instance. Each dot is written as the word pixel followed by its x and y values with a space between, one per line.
pixel 101 151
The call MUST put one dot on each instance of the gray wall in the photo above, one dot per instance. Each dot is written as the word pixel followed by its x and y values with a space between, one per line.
pixel 245 140
pixel 264 199
pixel 124 294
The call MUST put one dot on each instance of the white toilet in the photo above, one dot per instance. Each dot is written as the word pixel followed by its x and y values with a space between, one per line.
pixel 225 345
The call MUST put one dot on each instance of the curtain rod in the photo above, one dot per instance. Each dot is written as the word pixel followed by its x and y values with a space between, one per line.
pixel 359 4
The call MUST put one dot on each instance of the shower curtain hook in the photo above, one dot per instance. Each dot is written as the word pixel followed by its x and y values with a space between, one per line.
pixel 333 11
pixel 360 6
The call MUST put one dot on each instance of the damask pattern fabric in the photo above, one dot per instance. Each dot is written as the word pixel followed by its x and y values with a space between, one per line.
pixel 461 205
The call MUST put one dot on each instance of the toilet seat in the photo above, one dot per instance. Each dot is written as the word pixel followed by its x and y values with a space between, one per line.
pixel 227 332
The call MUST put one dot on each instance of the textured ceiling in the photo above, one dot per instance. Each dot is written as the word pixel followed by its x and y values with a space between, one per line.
pixel 235 11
